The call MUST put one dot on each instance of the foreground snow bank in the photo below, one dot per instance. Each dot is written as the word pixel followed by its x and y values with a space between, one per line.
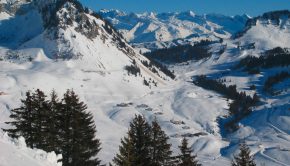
pixel 15 152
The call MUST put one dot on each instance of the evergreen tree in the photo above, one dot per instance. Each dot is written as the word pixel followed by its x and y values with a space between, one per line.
pixel 125 156
pixel 40 114
pixel 54 124
pixel 186 158
pixel 135 148
pixel 79 145
pixel 22 124
pixel 64 127
pixel 256 98
pixel 29 119
pixel 244 158
pixel 160 148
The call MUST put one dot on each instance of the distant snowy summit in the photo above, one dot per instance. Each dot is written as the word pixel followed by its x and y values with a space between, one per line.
pixel 153 31
pixel 279 19
pixel 271 29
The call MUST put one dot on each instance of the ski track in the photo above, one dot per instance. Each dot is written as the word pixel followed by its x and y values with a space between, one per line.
pixel 270 158
pixel 270 113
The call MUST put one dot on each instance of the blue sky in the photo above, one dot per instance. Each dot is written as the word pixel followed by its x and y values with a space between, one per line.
pixel 227 7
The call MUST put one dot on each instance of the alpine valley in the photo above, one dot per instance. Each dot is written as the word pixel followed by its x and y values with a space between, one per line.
pixel 213 79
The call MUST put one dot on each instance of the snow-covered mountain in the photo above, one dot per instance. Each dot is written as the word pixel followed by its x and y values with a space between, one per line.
pixel 152 31
pixel 59 45
pixel 264 129
pixel 64 30
pixel 62 46
pixel 269 30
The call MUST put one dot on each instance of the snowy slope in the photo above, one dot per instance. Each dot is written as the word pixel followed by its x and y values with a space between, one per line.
pixel 63 48
pixel 63 57
pixel 15 153
pixel 65 33
pixel 94 69
pixel 151 30
pixel 270 30
pixel 266 130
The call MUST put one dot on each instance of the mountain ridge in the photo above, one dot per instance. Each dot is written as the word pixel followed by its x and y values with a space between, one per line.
pixel 63 57
pixel 67 30
pixel 163 30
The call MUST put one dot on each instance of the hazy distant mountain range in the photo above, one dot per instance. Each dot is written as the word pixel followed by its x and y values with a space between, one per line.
pixel 152 31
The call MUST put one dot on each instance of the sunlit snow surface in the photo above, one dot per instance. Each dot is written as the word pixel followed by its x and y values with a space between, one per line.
pixel 180 107
pixel 15 153
pixel 152 30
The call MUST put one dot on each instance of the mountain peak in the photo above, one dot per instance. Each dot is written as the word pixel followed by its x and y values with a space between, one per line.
pixel 147 14
pixel 188 13
pixel 64 30
pixel 191 13
pixel 247 16
pixel 276 14
pixel 113 12
pixel 271 16
pixel 168 29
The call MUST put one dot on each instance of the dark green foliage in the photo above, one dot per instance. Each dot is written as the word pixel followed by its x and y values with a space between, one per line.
pixel 186 158
pixel 244 158
pixel 249 63
pixel 238 108
pixel 181 53
pixel 222 48
pixel 30 119
pixel 272 58
pixel 204 42
pixel 160 148
pixel 253 87
pixel 126 151
pixel 244 103
pixel 108 27
pixel 135 148
pixel 39 114
pixel 79 145
pixel 144 145
pixel 153 63
pixel 61 126
pixel 133 69
pixel 219 87
pixel 54 124
pixel 254 71
pixel 272 80
pixel 211 84
pixel 22 121
pixel 145 82
pixel 275 51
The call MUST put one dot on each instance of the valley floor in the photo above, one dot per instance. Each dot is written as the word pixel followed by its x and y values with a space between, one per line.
pixel 181 108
